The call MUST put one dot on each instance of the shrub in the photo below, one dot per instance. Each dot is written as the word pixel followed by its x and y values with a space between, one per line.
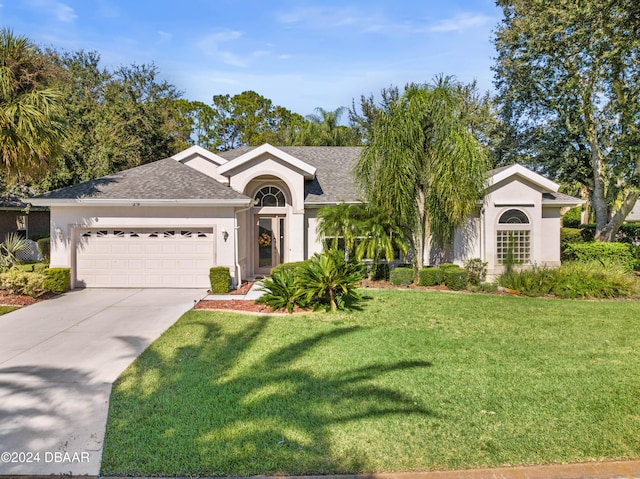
pixel 329 280
pixel 570 235
pixel 57 280
pixel 22 282
pixel 571 219
pixel 445 266
pixel 220 279
pixel 9 249
pixel 573 280
pixel 623 254
pixel 456 278
pixel 44 246
pixel 379 271
pixel 535 281
pixel 280 291
pixel 593 280
pixel 401 276
pixel 477 270
pixel 430 276
pixel 628 233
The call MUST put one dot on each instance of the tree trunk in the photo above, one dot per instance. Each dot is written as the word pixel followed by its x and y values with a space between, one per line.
pixel 600 209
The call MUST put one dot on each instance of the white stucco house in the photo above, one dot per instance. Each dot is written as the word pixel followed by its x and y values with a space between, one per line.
pixel 165 223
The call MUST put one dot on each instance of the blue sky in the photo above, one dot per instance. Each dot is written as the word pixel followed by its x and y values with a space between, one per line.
pixel 300 54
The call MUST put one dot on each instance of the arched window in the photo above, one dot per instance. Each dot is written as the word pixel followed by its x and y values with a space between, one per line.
pixel 513 216
pixel 513 239
pixel 270 196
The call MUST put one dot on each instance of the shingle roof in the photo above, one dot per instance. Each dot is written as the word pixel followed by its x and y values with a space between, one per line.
pixel 560 198
pixel 165 179
pixel 334 177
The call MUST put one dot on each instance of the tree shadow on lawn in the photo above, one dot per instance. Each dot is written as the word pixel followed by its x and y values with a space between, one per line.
pixel 220 407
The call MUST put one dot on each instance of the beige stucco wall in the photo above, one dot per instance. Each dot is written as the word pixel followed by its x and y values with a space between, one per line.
pixel 70 218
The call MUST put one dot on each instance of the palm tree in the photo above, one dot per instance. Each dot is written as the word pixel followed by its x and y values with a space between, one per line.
pixel 324 129
pixel 422 164
pixel 342 221
pixel 381 236
pixel 30 111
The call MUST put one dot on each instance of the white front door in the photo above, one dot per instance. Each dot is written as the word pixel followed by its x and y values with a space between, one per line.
pixel 144 257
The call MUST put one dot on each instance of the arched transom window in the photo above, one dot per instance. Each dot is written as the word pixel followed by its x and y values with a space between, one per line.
pixel 513 239
pixel 513 216
pixel 270 196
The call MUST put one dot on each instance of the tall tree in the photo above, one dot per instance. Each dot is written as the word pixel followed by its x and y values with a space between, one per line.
pixel 323 128
pixel 31 110
pixel 568 76
pixel 422 165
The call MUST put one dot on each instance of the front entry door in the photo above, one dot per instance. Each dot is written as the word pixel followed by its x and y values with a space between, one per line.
pixel 269 243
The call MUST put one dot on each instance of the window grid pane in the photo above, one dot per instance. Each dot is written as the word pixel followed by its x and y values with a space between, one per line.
pixel 516 241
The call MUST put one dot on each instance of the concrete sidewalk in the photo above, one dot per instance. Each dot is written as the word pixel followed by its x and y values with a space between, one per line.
pixel 254 293
pixel 58 360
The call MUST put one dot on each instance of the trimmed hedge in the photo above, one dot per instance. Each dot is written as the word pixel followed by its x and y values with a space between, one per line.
pixel 624 254
pixel 570 235
pixel 57 280
pixel 401 276
pixel 44 247
pixel 22 282
pixel 628 233
pixel 220 279
pixel 456 278
pixel 430 276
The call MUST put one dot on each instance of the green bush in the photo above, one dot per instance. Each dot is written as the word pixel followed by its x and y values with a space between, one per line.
pixel 627 233
pixel 571 219
pixel 430 276
pixel 534 281
pixel 570 235
pixel 329 281
pixel 456 278
pixel 445 266
pixel 401 276
pixel 477 270
pixel 624 254
pixel 293 266
pixel 281 290
pixel 44 246
pixel 57 280
pixel 379 271
pixel 220 279
pixel 573 280
pixel 22 282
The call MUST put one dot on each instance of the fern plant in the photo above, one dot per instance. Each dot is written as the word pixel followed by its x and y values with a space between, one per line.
pixel 328 280
pixel 280 291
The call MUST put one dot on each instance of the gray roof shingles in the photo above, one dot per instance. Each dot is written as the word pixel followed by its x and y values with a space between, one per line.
pixel 334 170
pixel 165 179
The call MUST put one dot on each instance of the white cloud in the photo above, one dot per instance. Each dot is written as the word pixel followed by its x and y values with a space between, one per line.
pixel 61 11
pixel 324 18
pixel 461 22
pixel 211 46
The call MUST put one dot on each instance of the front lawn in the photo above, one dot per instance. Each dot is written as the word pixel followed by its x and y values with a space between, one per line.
pixel 414 381
pixel 7 309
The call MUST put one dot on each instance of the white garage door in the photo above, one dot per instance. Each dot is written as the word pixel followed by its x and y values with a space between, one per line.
pixel 147 258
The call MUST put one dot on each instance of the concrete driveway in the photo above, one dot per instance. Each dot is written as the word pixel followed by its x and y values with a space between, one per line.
pixel 58 360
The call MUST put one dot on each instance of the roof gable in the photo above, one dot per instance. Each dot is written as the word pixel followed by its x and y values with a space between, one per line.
pixel 307 170
pixel 196 150
pixel 165 181
pixel 500 174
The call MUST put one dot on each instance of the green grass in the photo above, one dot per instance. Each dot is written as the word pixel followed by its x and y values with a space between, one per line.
pixel 414 381
pixel 7 309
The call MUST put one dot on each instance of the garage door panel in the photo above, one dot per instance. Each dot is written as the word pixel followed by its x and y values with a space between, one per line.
pixel 144 258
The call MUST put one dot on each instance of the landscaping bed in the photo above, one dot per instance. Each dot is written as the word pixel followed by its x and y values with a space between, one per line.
pixel 407 382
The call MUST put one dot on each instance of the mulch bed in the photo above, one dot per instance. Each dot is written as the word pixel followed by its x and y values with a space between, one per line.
pixel 7 299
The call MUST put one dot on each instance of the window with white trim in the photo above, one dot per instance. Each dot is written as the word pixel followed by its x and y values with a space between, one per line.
pixel 270 196
pixel 513 240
